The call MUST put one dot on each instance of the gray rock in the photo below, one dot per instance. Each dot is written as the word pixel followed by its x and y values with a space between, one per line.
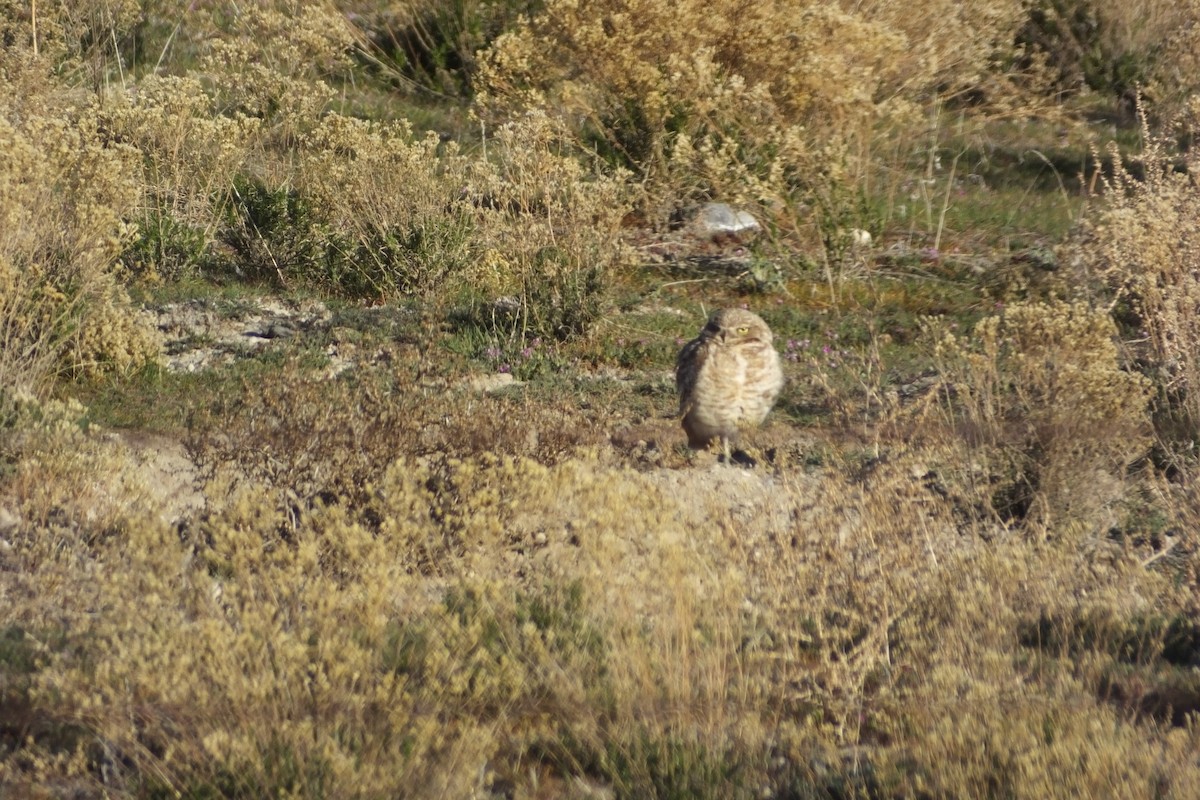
pixel 719 221
pixel 200 334
pixel 279 330
pixel 507 306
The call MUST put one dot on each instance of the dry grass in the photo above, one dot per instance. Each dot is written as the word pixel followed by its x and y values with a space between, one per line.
pixel 1143 248
pixel 959 568
pixel 464 624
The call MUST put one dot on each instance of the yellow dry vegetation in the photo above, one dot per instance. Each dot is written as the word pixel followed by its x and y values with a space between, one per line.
pixel 983 586
pixel 483 621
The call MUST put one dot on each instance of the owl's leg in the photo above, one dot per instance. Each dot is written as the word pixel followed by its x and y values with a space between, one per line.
pixel 734 454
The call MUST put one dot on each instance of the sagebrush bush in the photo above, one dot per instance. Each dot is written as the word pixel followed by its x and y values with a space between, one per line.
pixel 190 157
pixel 1048 417
pixel 1143 247
pixel 66 194
pixel 550 223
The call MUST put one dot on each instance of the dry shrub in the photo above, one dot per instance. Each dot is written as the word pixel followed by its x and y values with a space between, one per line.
pixel 271 61
pixel 218 146
pixel 78 34
pixel 65 196
pixel 650 634
pixel 745 101
pixel 1144 247
pixel 274 654
pixel 259 664
pixel 1118 49
pixel 1048 419
pixel 334 442
pixel 260 88
pixel 391 204
pixel 31 331
pixel 368 209
pixel 190 156
pixel 432 45
pixel 896 635
pixel 550 224
pixel 363 209
pixel 57 478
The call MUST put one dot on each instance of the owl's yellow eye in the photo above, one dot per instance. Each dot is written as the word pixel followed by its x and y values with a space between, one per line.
pixel 743 330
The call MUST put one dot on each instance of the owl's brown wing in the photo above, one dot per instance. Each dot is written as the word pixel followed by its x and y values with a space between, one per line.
pixel 687 371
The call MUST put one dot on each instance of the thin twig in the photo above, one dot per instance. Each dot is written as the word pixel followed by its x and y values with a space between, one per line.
pixel 1160 554
pixel 680 283
pixel 1062 187
pixel 937 240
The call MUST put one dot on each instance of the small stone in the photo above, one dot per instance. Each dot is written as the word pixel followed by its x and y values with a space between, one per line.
pixel 719 221
pixel 278 330
pixel 9 521
pixel 495 382
pixel 506 305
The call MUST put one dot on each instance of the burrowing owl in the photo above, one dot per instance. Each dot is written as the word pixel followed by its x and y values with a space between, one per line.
pixel 728 378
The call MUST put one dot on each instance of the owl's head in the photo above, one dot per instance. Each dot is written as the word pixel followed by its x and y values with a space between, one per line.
pixel 735 325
